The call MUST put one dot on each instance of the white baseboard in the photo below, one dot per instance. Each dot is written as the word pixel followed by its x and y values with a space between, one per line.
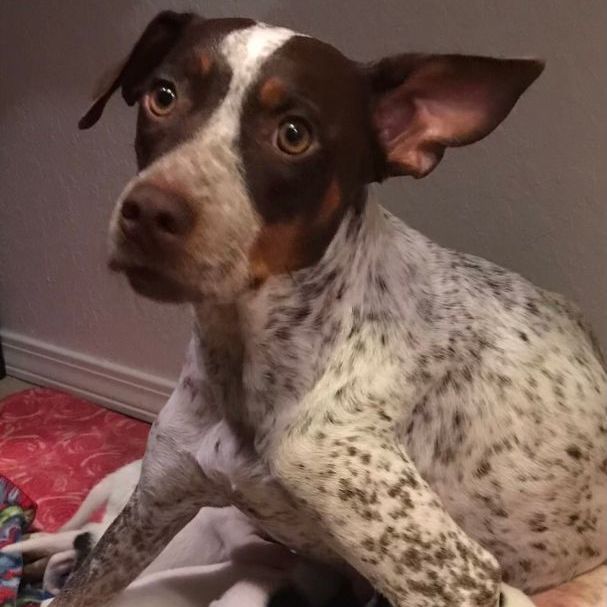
pixel 115 386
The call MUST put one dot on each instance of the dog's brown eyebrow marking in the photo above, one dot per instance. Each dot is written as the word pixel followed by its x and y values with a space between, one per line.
pixel 205 62
pixel 272 93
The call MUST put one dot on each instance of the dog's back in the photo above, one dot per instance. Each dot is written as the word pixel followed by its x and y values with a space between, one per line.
pixel 511 429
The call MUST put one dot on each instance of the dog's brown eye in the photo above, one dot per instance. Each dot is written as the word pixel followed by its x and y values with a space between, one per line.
pixel 161 99
pixel 293 137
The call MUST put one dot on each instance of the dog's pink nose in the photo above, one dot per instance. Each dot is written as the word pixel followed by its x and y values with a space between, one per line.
pixel 151 212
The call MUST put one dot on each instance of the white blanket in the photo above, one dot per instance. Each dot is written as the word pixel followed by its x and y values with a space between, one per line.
pixel 219 559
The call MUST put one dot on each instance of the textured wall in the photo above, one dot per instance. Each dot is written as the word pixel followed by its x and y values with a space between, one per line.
pixel 530 197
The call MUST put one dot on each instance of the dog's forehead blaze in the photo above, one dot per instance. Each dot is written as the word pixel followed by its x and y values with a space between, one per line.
pixel 219 59
pixel 196 52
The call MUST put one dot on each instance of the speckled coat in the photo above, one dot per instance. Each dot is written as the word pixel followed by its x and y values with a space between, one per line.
pixel 365 395
pixel 491 388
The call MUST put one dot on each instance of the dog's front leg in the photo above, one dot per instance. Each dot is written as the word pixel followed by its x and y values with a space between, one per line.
pixel 171 491
pixel 382 517
pixel 133 540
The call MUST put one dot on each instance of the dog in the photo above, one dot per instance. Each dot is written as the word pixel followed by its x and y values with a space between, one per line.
pixel 270 574
pixel 366 396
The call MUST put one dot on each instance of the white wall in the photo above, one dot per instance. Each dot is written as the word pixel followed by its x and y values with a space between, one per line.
pixel 530 197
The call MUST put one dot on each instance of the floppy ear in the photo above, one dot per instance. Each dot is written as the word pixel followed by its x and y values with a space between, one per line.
pixel 422 104
pixel 158 38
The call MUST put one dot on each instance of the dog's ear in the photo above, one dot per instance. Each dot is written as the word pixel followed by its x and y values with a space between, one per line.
pixel 158 38
pixel 422 104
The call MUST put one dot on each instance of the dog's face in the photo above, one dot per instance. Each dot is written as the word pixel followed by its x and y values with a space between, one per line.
pixel 253 142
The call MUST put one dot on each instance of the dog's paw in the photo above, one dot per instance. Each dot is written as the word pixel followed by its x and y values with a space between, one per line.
pixel 511 597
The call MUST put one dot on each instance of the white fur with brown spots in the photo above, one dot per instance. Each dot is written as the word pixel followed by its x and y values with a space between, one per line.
pixel 427 417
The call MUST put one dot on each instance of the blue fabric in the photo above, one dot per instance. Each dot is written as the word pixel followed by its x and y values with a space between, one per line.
pixel 17 512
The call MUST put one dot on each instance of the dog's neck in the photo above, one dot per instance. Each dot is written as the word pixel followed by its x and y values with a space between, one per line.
pixel 339 275
pixel 279 338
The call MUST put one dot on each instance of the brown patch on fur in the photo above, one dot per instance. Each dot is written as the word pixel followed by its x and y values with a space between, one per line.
pixel 205 62
pixel 309 193
pixel 291 245
pixel 272 93
pixel 202 77
pixel 331 203
pixel 275 251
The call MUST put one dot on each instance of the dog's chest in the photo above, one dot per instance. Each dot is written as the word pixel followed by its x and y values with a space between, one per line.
pixel 227 458
pixel 229 461
pixel 210 422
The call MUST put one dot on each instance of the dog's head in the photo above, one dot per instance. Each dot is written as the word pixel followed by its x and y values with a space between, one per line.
pixel 253 142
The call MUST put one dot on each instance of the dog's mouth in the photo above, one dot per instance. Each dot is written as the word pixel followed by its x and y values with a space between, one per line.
pixel 152 283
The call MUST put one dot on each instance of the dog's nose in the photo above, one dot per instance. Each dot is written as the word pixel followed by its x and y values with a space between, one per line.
pixel 151 211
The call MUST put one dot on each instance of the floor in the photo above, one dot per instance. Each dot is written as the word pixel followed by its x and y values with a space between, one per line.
pixel 10 385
